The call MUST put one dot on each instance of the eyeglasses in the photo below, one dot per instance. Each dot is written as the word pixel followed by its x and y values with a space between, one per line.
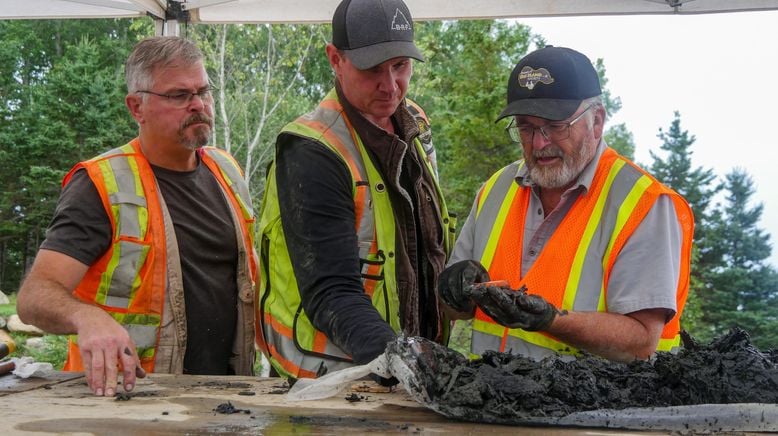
pixel 182 99
pixel 553 132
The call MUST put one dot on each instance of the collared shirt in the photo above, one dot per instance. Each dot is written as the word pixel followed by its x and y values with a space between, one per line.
pixel 646 271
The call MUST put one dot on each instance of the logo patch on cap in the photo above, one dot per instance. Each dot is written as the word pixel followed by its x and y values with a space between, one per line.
pixel 399 22
pixel 529 77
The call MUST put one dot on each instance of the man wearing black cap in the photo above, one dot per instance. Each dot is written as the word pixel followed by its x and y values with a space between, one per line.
pixel 355 229
pixel 585 250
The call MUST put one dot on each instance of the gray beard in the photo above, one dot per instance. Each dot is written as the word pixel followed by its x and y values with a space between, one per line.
pixel 572 166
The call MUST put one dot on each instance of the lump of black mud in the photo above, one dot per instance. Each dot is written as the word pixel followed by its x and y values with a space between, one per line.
pixel 502 388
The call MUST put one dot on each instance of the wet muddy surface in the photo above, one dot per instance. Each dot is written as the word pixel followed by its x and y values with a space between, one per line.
pixel 501 388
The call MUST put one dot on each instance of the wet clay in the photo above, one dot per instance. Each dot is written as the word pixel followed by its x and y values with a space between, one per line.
pixel 507 389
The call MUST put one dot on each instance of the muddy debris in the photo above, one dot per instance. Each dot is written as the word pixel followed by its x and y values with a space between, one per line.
pixel 355 398
pixel 228 409
pixel 507 389
pixel 127 396
pixel 227 385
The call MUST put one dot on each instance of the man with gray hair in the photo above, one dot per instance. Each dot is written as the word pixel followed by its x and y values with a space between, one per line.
pixel 588 251
pixel 149 262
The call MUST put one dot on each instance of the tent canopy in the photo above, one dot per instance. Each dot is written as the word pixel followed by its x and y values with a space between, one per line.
pixel 319 11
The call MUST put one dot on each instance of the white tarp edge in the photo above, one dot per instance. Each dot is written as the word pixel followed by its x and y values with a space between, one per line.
pixel 312 11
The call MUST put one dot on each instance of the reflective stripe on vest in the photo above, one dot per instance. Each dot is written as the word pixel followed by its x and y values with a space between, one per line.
pixel 295 348
pixel 600 221
pixel 229 174
pixel 129 281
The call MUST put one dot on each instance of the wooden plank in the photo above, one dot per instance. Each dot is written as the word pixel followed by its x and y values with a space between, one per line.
pixel 10 383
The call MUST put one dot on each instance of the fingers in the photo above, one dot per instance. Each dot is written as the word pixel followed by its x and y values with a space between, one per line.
pixel 86 359
pixel 531 303
pixel 106 349
pixel 514 308
pixel 498 301
pixel 97 374
pixel 490 300
pixel 111 374
pixel 130 366
pixel 501 297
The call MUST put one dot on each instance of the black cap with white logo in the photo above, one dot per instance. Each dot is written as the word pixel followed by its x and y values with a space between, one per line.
pixel 551 83
pixel 373 31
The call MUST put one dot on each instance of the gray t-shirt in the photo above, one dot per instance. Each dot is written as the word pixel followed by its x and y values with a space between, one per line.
pixel 207 245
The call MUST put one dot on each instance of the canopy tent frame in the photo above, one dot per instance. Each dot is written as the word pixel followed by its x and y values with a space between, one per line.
pixel 169 15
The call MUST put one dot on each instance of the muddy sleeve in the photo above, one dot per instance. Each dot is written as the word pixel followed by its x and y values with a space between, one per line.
pixel 317 214
pixel 80 227
pixel 645 274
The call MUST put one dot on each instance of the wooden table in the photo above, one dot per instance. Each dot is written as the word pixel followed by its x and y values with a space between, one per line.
pixel 177 404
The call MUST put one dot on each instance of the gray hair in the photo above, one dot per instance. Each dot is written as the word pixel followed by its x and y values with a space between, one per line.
pixel 595 101
pixel 158 52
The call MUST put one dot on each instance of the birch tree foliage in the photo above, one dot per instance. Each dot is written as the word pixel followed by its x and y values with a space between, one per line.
pixel 264 76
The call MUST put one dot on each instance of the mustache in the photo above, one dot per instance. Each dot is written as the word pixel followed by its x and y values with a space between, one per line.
pixel 549 151
pixel 198 118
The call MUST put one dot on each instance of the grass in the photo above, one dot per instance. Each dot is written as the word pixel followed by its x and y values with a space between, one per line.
pixel 460 336
pixel 53 351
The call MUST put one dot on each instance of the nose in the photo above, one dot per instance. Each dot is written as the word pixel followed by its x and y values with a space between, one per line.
pixel 539 138
pixel 387 82
pixel 196 103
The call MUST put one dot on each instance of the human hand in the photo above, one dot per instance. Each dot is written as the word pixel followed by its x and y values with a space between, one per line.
pixel 514 308
pixel 105 346
pixel 454 284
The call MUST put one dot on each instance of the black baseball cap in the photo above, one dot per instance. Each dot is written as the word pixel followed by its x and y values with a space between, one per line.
pixel 373 31
pixel 551 83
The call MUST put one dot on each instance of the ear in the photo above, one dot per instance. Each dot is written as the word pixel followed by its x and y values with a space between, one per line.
pixel 599 122
pixel 335 58
pixel 134 103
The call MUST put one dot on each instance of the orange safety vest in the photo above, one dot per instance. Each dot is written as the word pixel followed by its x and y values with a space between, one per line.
pixel 130 280
pixel 574 267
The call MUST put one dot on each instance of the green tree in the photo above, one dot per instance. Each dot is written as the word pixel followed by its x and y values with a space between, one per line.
pixel 62 97
pixel 698 187
pixel 462 87
pixel 616 136
pixel 743 290
pixel 265 76
pixel 621 139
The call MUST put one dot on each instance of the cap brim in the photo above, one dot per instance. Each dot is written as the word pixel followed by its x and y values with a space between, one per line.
pixel 372 55
pixel 547 108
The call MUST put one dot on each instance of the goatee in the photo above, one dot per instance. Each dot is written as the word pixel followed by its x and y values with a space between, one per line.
pixel 200 135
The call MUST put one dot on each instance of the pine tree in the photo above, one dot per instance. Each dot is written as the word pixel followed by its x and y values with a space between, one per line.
pixel 697 186
pixel 743 291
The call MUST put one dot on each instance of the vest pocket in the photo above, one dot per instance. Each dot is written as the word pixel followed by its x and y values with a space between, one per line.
pixel 371 268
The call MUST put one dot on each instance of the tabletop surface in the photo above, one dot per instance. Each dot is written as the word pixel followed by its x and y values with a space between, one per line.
pixel 176 404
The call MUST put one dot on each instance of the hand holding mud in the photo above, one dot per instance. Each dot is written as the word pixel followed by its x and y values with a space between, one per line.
pixel 455 282
pixel 514 308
